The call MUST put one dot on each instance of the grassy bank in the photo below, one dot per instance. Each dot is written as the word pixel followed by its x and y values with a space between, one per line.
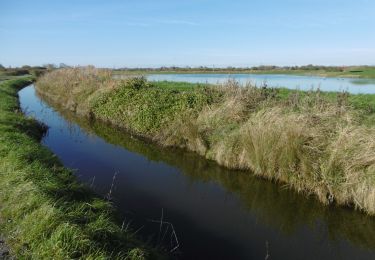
pixel 44 212
pixel 317 143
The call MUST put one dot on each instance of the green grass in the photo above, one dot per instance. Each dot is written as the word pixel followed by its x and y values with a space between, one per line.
pixel 142 112
pixel 4 76
pixel 44 212
pixel 315 142
pixel 178 86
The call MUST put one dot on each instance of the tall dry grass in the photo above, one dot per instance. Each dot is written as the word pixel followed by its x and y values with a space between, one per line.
pixel 74 86
pixel 314 145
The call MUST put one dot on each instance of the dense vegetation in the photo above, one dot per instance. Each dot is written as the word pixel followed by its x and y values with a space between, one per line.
pixel 44 212
pixel 318 143
pixel 24 70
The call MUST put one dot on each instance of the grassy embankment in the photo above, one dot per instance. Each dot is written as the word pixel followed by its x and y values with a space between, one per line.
pixel 44 212
pixel 346 72
pixel 317 143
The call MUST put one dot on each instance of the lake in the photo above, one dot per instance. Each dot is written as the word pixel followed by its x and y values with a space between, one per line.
pixel 216 213
pixel 351 85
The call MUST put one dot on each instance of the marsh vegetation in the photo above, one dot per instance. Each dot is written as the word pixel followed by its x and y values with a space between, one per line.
pixel 315 142
pixel 234 213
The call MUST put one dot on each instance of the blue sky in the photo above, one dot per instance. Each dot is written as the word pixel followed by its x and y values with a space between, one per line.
pixel 187 33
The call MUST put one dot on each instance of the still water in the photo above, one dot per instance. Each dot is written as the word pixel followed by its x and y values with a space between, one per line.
pixel 351 85
pixel 216 213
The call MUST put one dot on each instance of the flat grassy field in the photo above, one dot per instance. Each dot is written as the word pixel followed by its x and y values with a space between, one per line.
pixel 44 212
pixel 347 72
pixel 4 76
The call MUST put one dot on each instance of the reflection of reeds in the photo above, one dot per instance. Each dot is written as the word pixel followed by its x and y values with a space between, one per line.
pixel 267 251
pixel 109 195
pixel 174 242
pixel 308 140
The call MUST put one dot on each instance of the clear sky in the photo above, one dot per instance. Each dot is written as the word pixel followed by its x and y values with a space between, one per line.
pixel 187 32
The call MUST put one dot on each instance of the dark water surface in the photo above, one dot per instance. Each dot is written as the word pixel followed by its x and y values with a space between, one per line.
pixel 216 213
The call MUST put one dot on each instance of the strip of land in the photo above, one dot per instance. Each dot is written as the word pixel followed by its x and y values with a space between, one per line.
pixel 310 70
pixel 364 71
pixel 44 212
pixel 315 142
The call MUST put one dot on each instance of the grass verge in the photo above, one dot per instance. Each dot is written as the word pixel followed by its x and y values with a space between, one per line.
pixel 44 212
pixel 317 143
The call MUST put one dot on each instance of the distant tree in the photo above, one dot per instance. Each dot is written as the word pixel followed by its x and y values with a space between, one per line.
pixel 2 67
pixel 50 66
pixel 63 65
pixel 37 72
pixel 17 72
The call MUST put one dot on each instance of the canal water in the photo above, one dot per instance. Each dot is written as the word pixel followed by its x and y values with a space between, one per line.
pixel 351 85
pixel 207 212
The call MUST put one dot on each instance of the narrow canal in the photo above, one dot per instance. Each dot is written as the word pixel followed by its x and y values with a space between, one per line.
pixel 208 212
